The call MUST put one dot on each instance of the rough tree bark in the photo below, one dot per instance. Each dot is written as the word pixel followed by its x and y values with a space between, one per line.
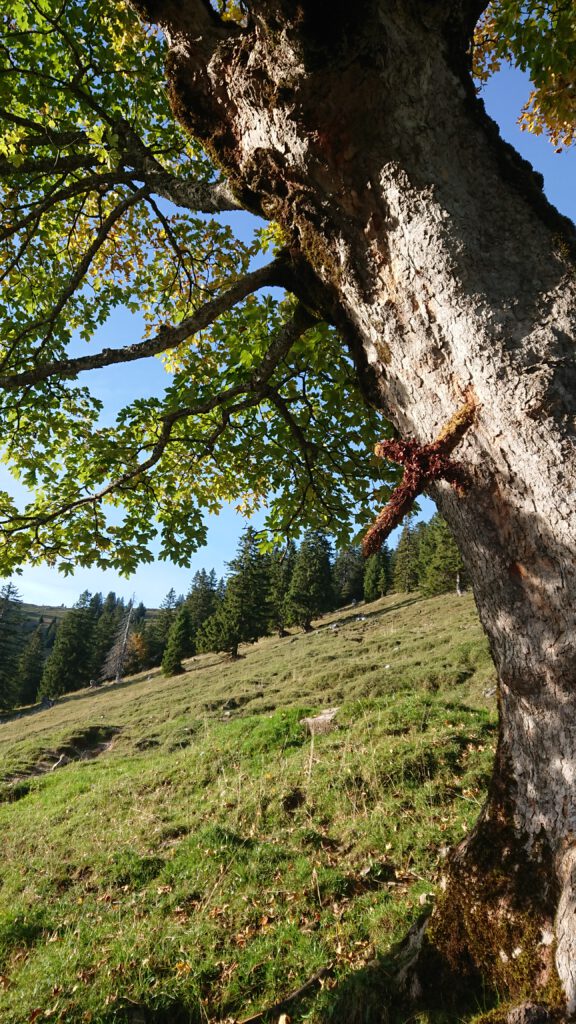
pixel 428 241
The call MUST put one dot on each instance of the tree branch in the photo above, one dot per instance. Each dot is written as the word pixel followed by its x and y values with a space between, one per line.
pixel 307 448
pixel 167 338
pixel 82 268
pixel 255 388
pixel 459 17
pixel 96 183
pixel 198 197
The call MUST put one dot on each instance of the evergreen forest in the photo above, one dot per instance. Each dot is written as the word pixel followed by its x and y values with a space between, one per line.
pixel 102 639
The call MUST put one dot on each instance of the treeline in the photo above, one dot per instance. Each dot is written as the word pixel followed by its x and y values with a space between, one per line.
pixel 91 642
pixel 427 559
pixel 105 638
pixel 266 593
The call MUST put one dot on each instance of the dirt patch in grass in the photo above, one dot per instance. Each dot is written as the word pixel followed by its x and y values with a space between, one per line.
pixel 84 745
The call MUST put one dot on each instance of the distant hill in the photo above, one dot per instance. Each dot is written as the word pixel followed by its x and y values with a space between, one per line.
pixel 37 613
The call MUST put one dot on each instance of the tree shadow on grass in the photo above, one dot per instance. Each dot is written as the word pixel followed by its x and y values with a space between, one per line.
pixel 371 995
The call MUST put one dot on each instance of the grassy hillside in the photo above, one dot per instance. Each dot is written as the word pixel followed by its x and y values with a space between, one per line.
pixel 37 613
pixel 194 856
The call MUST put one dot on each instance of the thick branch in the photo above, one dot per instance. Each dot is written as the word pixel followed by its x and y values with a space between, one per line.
pixel 459 16
pixel 167 338
pixel 135 156
pixel 199 197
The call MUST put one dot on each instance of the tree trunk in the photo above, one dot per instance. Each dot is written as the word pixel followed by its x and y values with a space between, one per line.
pixel 434 251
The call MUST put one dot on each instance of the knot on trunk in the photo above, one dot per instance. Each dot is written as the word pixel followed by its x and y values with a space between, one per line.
pixel 422 465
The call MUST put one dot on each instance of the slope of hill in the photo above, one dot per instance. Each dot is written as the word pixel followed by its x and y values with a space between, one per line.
pixel 182 851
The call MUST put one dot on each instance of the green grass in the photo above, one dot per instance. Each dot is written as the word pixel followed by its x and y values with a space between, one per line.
pixel 199 856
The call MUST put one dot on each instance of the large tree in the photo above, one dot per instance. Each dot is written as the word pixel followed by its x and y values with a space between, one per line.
pixel 243 615
pixel 70 664
pixel 440 567
pixel 311 591
pixel 425 268
pixel 12 640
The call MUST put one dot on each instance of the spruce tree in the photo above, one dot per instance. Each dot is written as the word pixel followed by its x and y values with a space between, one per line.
pixel 201 600
pixel 406 561
pixel 50 635
pixel 442 569
pixel 139 614
pixel 70 663
pixel 348 576
pixel 310 592
pixel 157 629
pixel 12 640
pixel 31 667
pixel 281 568
pixel 221 632
pixel 247 587
pixel 179 644
pixel 377 575
pixel 243 615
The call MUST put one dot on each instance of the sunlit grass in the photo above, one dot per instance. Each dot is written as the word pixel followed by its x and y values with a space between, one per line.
pixel 212 857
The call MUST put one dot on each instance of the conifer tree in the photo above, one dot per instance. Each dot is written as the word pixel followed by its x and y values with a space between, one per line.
pixel 311 591
pixel 281 567
pixel 377 575
pixel 221 632
pixel 50 636
pixel 441 566
pixel 406 561
pixel 139 614
pixel 31 667
pixel 202 599
pixel 156 632
pixel 243 615
pixel 180 644
pixel 247 587
pixel 70 663
pixel 11 642
pixel 348 576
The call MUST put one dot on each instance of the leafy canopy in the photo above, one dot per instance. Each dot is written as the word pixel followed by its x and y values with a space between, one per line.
pixel 107 206
pixel 538 36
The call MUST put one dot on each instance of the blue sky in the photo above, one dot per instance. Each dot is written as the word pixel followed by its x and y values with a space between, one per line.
pixel 504 96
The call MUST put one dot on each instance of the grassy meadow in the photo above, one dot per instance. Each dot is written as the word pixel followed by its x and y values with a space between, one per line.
pixel 180 851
